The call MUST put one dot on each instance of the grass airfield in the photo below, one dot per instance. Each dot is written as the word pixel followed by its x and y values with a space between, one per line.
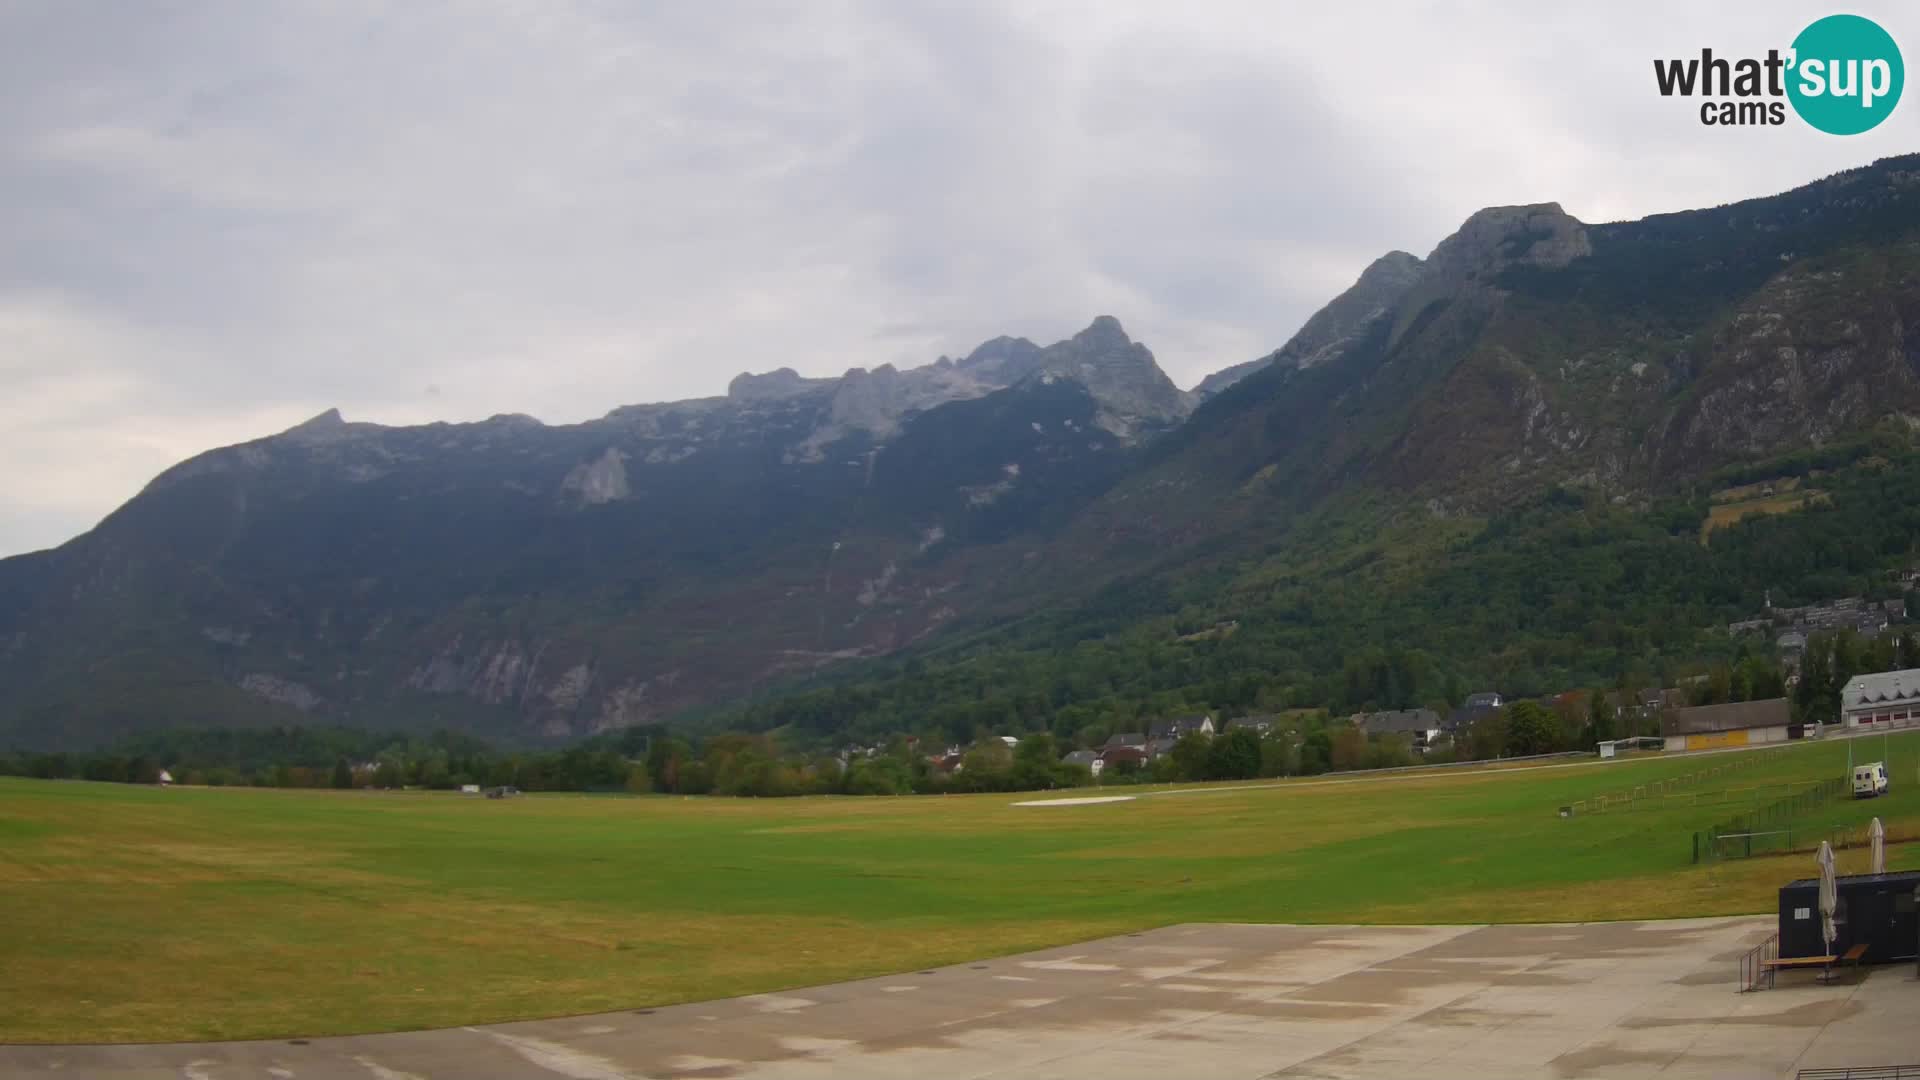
pixel 146 915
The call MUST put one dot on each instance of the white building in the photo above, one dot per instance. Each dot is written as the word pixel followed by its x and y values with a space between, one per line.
pixel 1886 701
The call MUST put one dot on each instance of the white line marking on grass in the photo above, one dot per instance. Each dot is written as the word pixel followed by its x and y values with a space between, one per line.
pixel 1081 802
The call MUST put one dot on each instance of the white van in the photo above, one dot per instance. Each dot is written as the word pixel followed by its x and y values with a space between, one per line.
pixel 1870 780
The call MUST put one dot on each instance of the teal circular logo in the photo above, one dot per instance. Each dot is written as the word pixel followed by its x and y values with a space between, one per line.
pixel 1846 75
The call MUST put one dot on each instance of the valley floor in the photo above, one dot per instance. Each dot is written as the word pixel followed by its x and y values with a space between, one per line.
pixel 140 915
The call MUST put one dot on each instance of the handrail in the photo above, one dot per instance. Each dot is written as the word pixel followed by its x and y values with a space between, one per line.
pixel 1755 966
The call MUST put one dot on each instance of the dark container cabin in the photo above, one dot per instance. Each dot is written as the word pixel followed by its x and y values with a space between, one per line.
pixel 1876 910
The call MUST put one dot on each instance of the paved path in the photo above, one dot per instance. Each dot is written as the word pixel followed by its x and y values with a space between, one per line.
pixel 1234 1001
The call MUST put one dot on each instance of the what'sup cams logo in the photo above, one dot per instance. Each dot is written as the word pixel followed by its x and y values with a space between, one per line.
pixel 1843 75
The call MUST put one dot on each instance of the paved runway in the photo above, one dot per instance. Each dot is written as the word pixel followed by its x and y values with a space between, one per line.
pixel 1234 1001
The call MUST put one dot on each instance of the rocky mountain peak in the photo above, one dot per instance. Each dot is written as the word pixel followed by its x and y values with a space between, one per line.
pixel 1395 269
pixel 329 419
pixel 326 426
pixel 1337 326
pixel 1120 373
pixel 1540 234
pixel 1013 355
pixel 1104 332
pixel 779 383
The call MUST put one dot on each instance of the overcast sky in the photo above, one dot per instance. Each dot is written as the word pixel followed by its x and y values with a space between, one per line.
pixel 219 218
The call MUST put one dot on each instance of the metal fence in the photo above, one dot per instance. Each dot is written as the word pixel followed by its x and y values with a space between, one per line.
pixel 1769 829
pixel 1662 793
pixel 1862 1072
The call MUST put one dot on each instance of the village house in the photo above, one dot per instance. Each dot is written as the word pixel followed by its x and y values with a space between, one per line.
pixel 1129 738
pixel 1259 725
pixel 1641 710
pixel 1091 759
pixel 1180 726
pixel 1472 709
pixel 1423 725
pixel 1114 755
pixel 1795 624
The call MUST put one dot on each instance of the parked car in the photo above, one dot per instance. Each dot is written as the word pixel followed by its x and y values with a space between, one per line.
pixel 1870 780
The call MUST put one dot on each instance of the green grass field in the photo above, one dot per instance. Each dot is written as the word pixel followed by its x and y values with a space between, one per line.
pixel 141 914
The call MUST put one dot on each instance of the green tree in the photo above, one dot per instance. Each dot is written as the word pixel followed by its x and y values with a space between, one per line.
pixel 1034 761
pixel 1908 650
pixel 1316 753
pixel 392 772
pixel 878 776
pixel 1389 751
pixel 1599 718
pixel 342 773
pixel 666 757
pixel 1234 756
pixel 1487 737
pixel 1190 756
pixel 638 782
pixel 1531 729
pixel 1277 757
pixel 1349 748
pixel 985 766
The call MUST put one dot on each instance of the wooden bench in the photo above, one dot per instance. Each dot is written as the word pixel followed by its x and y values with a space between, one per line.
pixel 1852 957
pixel 1824 963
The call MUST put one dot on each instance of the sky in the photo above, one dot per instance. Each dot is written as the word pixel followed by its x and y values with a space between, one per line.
pixel 219 218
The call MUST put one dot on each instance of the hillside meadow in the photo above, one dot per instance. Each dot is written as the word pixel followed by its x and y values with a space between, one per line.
pixel 146 914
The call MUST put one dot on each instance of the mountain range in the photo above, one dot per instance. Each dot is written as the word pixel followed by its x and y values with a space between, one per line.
pixel 531 582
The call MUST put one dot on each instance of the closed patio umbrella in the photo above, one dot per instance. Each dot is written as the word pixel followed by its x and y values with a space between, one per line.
pixel 1829 893
pixel 1877 835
